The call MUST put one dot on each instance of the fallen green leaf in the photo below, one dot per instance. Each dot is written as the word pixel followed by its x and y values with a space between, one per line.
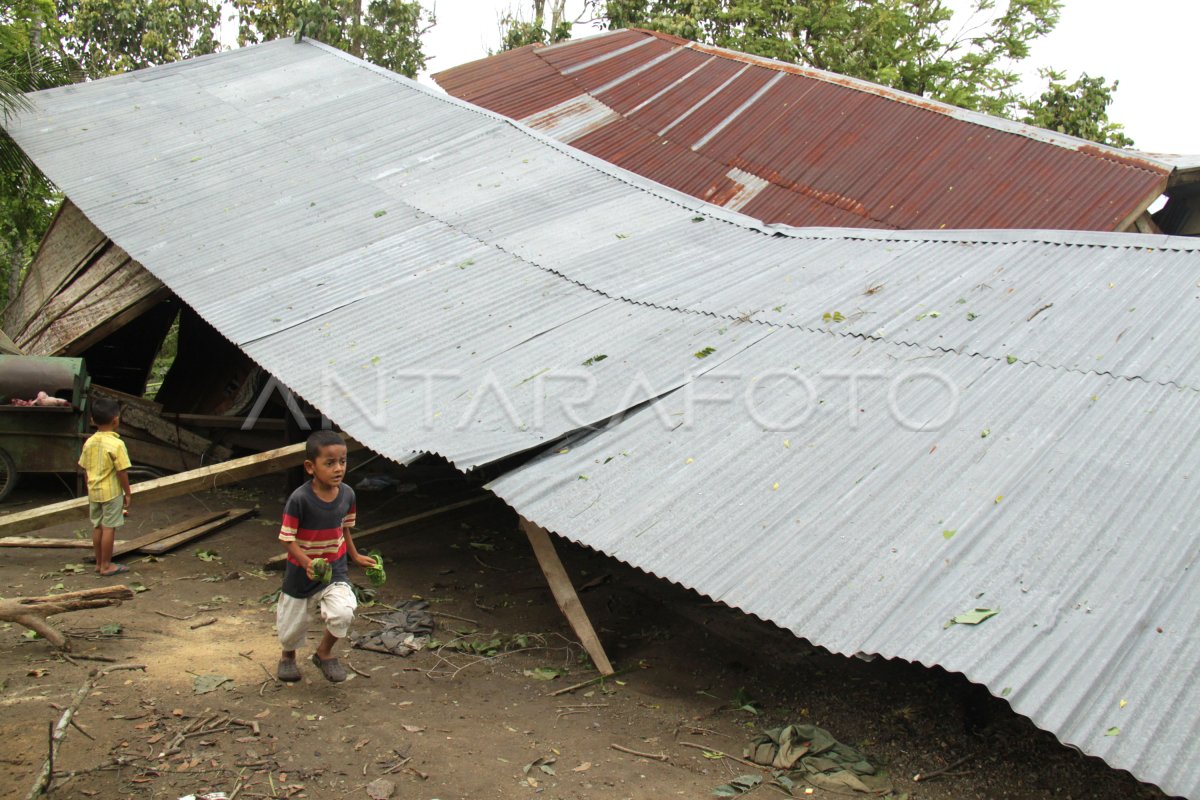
pixel 203 684
pixel 137 587
pixel 705 353
pixel 1012 359
pixel 544 673
pixel 207 555
pixel 948 534
pixel 738 786
pixel 595 359
pixel 1113 731
pixel 973 617
pixel 380 213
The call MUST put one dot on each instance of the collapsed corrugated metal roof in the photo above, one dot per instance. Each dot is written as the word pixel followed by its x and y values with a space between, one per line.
pixel 791 144
pixel 436 278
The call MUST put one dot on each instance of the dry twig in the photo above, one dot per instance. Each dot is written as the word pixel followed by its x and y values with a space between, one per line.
pixel 653 756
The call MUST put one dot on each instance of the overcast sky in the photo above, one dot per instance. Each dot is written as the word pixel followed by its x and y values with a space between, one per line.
pixel 1147 46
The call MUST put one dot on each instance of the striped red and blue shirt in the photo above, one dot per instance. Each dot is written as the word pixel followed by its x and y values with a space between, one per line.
pixel 316 526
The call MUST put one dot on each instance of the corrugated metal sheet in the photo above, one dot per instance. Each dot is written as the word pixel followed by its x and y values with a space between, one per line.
pixel 435 278
pixel 832 147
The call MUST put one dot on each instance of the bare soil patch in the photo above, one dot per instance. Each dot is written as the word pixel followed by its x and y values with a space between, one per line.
pixel 453 724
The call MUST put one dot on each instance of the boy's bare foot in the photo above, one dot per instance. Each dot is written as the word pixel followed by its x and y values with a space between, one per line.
pixel 331 668
pixel 287 670
pixel 115 569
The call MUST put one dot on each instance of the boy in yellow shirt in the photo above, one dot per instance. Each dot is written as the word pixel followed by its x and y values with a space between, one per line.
pixel 106 462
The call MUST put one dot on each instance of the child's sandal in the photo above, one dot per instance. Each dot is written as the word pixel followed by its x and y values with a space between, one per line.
pixel 287 670
pixel 331 668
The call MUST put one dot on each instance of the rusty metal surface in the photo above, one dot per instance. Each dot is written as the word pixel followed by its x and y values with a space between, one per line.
pixel 832 150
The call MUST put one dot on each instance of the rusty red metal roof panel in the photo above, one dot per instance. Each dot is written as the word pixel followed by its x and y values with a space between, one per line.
pixel 597 76
pixel 681 98
pixel 768 118
pixel 720 107
pixel 777 204
pixel 566 55
pixel 627 145
pixel 755 135
pixel 518 84
pixel 627 96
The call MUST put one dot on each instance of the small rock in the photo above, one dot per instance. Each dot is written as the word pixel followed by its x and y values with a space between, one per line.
pixel 380 789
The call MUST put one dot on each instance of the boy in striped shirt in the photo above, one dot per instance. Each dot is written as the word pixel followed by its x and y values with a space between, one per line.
pixel 316 524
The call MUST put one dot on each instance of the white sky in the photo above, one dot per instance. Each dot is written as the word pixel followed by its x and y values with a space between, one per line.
pixel 1146 46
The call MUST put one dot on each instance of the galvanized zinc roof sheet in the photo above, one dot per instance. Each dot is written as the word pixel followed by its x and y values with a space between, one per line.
pixel 436 278
pixel 824 146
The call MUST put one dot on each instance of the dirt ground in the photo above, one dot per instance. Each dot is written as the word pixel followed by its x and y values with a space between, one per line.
pixel 451 724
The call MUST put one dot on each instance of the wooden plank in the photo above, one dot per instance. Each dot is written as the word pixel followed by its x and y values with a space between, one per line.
pixel 565 594
pixel 131 293
pixel 69 244
pixel 8 346
pixel 143 414
pixel 99 274
pixel 1146 224
pixel 276 562
pixel 223 421
pixel 162 533
pixel 162 488
pixel 145 451
pixel 40 541
pixel 232 516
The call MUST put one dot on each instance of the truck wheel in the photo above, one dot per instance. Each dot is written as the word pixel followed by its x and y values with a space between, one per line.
pixel 8 474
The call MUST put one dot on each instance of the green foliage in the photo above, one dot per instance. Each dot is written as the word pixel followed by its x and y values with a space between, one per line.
pixel 1078 109
pixel 910 46
pixel 30 59
pixel 516 31
pixel 388 34
pixel 112 36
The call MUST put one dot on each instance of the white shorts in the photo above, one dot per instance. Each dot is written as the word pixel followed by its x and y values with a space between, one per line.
pixel 335 604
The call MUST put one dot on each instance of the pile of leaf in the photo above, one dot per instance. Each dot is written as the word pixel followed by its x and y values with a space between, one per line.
pixel 805 755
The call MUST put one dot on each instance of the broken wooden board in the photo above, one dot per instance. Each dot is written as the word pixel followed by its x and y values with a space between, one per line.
pixel 132 545
pixel 230 517
pixel 68 246
pixel 8 346
pixel 277 561
pixel 145 415
pixel 41 541
pixel 162 488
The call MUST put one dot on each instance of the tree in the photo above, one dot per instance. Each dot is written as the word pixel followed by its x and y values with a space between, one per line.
pixel 906 45
pixel 111 36
pixel 516 31
pixel 1079 109
pixel 29 60
pixel 388 34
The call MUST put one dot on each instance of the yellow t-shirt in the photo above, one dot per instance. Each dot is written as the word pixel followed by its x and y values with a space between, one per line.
pixel 104 454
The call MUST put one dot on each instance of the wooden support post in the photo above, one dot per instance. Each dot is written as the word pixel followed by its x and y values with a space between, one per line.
pixel 564 594
pixel 162 488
